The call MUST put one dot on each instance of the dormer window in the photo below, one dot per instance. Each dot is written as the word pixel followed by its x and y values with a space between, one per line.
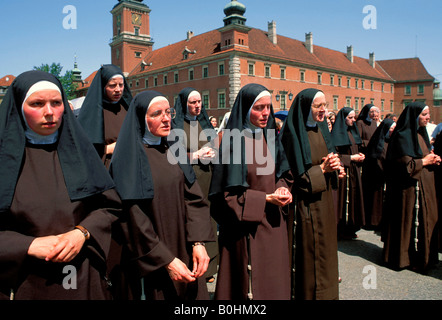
pixel 187 52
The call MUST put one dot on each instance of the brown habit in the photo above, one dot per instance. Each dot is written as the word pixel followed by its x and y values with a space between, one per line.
pixel 399 240
pixel 352 219
pixel 180 217
pixel 253 232
pixel 316 260
pixel 39 280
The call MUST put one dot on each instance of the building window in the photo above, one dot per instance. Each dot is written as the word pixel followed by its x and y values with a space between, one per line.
pixel 191 74
pixel 176 77
pixel 348 102
pixel 420 89
pixel 406 103
pixel 283 104
pixel 267 71
pixel 407 90
pixel 362 102
pixel 251 69
pixel 332 80
pixel 335 103
pixel 165 79
pixel 382 87
pixel 363 84
pixel 221 69
pixel 155 82
pixel 283 73
pixel 221 100
pixel 137 31
pixel 137 83
pixel 302 75
pixel 372 101
pixel 382 105
pixel 146 83
pixel 391 105
pixel 319 78
pixel 371 85
pixel 348 82
pixel 356 83
pixel 356 104
pixel 137 54
pixel 340 81
pixel 206 100
pixel 205 72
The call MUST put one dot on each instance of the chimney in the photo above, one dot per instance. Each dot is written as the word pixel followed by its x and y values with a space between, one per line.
pixel 350 53
pixel 272 32
pixel 372 60
pixel 309 42
pixel 189 35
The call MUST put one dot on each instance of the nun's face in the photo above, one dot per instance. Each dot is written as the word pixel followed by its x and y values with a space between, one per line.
pixel 194 104
pixel 158 119
pixel 424 118
pixel 43 111
pixel 259 115
pixel 319 108
pixel 373 113
pixel 350 119
pixel 114 89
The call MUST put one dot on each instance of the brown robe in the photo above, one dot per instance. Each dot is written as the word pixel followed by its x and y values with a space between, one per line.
pixel 253 232
pixel 41 207
pixel 316 260
pixel 351 221
pixel 113 118
pixel 180 216
pixel 373 182
pixel 399 240
pixel 203 174
pixel 366 131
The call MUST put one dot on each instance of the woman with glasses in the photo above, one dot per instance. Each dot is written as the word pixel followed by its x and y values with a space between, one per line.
pixel 315 167
pixel 168 250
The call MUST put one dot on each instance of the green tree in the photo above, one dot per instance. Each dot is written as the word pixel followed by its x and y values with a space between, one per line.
pixel 66 80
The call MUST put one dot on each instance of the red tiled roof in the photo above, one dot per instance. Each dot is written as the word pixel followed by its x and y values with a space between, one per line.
pixel 406 70
pixel 208 44
pixel 6 81
pixel 88 81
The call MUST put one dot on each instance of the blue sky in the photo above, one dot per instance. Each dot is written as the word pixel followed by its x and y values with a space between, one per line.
pixel 33 33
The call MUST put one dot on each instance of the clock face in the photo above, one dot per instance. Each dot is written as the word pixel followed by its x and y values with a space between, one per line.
pixel 136 19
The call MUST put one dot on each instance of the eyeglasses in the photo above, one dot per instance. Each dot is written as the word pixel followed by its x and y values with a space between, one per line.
pixel 159 114
pixel 317 106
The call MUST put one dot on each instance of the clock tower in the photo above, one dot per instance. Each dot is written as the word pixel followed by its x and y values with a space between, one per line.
pixel 131 40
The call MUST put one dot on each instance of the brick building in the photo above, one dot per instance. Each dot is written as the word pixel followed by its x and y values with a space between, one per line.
pixel 5 82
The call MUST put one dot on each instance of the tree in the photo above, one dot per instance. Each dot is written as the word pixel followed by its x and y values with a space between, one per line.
pixel 66 81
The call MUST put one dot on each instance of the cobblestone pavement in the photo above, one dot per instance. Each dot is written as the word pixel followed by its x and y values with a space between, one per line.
pixel 364 277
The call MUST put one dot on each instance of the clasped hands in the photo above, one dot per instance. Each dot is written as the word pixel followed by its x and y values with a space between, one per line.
pixel 179 272
pixel 281 197
pixel 332 163
pixel 59 248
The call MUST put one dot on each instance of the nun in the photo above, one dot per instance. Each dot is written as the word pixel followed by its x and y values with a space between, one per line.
pixel 316 168
pixel 373 174
pixel 411 239
pixel 200 138
pixel 57 201
pixel 249 190
pixel 350 201
pixel 168 249
pixel 366 124
pixel 104 109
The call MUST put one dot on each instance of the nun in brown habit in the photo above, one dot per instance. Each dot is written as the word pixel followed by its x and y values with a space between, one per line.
pixel 248 195
pixel 104 109
pixel 57 201
pixel 412 236
pixel 168 257
pixel 350 202
pixel 366 125
pixel 200 138
pixel 373 175
pixel 315 167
